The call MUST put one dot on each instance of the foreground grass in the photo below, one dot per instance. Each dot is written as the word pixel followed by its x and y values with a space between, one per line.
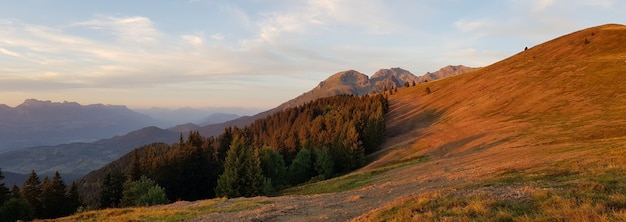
pixel 590 189
pixel 353 180
pixel 178 211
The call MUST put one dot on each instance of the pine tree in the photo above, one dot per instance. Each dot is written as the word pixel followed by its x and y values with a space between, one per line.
pixel 354 149
pixel 242 172
pixel 273 167
pixel 135 167
pixel 112 188
pixel 31 191
pixel 324 164
pixel 72 198
pixel 300 169
pixel 4 191
pixel 53 197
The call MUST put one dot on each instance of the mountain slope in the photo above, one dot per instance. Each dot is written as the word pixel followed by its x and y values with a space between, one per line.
pixel 346 82
pixel 36 123
pixel 538 136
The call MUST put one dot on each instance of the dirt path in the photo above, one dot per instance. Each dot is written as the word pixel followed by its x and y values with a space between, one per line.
pixel 339 206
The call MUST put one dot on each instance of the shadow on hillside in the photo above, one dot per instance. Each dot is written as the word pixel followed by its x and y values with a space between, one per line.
pixel 453 148
pixel 413 122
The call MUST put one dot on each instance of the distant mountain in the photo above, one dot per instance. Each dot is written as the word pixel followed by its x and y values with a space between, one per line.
pixel 81 158
pixel 37 123
pixel 198 116
pixel 217 118
pixel 445 72
pixel 346 82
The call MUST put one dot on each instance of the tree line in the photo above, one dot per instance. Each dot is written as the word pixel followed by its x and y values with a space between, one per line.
pixel 314 141
pixel 36 199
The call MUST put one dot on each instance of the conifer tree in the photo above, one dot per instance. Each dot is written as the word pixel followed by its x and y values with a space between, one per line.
pixel 53 197
pixel 112 188
pixel 324 164
pixel 31 191
pixel 4 191
pixel 300 169
pixel 73 201
pixel 273 167
pixel 135 167
pixel 242 172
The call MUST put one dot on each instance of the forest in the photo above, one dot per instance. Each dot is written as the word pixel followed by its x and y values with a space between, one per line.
pixel 315 141
pixel 51 198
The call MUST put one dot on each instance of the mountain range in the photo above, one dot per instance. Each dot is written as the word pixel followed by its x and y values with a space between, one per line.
pixel 36 123
pixel 538 136
pixel 75 159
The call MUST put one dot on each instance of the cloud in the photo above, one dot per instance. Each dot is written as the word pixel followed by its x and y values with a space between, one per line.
pixel 195 40
pixel 217 36
pixel 541 5
pixel 131 29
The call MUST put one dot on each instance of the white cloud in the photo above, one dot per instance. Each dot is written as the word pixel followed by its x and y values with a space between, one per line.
pixel 217 36
pixel 132 29
pixel 195 40
pixel 541 5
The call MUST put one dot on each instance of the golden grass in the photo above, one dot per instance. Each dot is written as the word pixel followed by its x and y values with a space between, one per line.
pixel 178 211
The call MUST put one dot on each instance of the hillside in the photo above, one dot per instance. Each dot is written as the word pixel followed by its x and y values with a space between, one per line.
pixel 539 135
pixel 349 82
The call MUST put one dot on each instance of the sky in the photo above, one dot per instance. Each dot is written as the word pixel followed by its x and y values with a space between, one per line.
pixel 257 53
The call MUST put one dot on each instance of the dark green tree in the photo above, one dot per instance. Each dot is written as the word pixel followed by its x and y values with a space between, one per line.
pixel 273 167
pixel 135 167
pixel 53 197
pixel 16 209
pixel 301 169
pixel 73 201
pixel 143 192
pixel 31 191
pixel 112 188
pixel 4 191
pixel 324 163
pixel 242 172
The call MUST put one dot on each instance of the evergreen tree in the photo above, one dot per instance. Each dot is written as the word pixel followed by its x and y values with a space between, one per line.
pixel 72 198
pixel 273 168
pixel 242 172
pixel 16 209
pixel 53 197
pixel 135 169
pixel 324 164
pixel 31 191
pixel 354 149
pixel 15 191
pixel 112 188
pixel 300 169
pixel 4 191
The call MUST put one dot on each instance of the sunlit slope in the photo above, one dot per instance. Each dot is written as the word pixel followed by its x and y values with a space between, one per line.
pixel 571 89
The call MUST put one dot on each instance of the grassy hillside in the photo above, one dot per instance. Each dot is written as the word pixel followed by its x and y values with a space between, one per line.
pixel 538 136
